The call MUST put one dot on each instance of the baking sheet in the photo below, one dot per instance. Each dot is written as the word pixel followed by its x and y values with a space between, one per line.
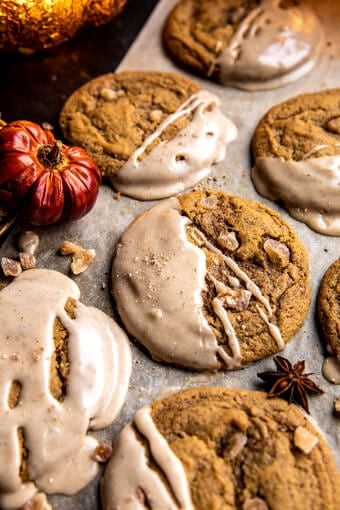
pixel 102 227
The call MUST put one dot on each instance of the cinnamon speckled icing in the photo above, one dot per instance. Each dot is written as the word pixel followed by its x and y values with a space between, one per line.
pixel 153 296
pixel 55 432
pixel 158 276
pixel 177 164
pixel 271 47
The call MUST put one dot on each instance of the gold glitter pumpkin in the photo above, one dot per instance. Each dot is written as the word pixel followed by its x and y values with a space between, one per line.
pixel 29 25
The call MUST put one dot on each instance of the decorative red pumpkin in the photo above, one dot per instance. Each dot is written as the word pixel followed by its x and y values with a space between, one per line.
pixel 42 179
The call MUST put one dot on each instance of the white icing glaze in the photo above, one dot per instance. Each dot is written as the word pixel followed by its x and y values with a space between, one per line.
pixel 152 281
pixel 309 189
pixel 55 433
pixel 125 481
pixel 273 328
pixel 233 361
pixel 162 306
pixel 177 164
pixel 331 369
pixel 271 47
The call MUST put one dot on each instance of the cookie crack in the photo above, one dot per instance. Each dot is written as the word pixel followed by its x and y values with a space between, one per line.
pixel 24 455
pixel 14 394
pixel 60 365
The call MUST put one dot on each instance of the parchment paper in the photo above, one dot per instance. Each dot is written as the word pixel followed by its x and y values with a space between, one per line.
pixel 102 227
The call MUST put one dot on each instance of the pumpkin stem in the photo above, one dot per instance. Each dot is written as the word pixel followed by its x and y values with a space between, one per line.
pixel 55 153
pixel 51 155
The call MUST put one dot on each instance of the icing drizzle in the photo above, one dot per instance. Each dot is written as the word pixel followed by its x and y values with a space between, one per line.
pixel 253 288
pixel 176 164
pixel 55 432
pixel 127 484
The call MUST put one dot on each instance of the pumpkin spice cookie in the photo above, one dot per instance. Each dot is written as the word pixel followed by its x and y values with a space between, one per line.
pixel 153 134
pixel 250 44
pixel 220 448
pixel 296 148
pixel 328 308
pixel 64 369
pixel 211 281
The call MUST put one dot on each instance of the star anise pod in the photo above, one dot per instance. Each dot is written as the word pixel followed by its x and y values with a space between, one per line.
pixel 290 381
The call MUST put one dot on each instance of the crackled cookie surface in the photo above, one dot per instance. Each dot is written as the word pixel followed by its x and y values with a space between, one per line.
pixel 328 308
pixel 64 369
pixel 296 148
pixel 219 448
pixel 153 134
pixel 256 44
pixel 211 281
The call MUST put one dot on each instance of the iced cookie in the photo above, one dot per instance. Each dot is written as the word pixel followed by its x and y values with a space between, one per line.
pixel 253 45
pixel 211 281
pixel 64 369
pixel 220 448
pixel 296 148
pixel 153 134
pixel 328 309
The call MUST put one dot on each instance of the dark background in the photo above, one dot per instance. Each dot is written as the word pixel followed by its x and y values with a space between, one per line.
pixel 34 87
